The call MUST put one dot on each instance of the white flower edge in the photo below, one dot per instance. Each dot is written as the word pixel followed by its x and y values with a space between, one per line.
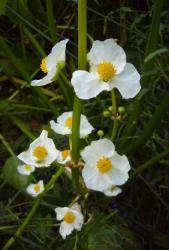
pixel 25 169
pixel 31 189
pixel 112 191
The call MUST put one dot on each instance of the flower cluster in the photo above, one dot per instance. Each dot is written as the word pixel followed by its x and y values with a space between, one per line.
pixel 104 170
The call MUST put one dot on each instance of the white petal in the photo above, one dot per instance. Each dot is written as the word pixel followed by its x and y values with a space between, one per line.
pixel 85 127
pixel 76 207
pixel 31 191
pixel 107 51
pixel 113 191
pixel 62 118
pixel 98 149
pixel 21 169
pixel 79 221
pixel 127 82
pixel 60 212
pixel 120 162
pixel 46 79
pixel 60 129
pixel 65 229
pixel 57 54
pixel 93 179
pixel 117 177
pixel 44 134
pixel 87 85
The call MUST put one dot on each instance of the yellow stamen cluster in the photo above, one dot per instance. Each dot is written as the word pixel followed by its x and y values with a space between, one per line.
pixel 65 153
pixel 40 152
pixel 106 71
pixel 69 217
pixel 36 188
pixel 27 167
pixel 104 165
pixel 68 122
pixel 43 66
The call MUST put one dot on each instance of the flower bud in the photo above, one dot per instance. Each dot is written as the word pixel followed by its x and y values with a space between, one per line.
pixel 106 113
pixel 121 109
pixel 100 133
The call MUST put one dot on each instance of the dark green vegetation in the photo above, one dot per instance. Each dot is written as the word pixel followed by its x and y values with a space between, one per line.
pixel 136 219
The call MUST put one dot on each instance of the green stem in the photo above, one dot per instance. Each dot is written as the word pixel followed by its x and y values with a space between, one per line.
pixel 6 144
pixel 114 114
pixel 149 128
pixel 151 46
pixel 82 46
pixel 33 210
pixel 51 21
pixel 147 165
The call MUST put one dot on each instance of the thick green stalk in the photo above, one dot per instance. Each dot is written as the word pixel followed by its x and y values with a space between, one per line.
pixel 149 128
pixel 6 144
pixel 114 114
pixel 82 44
pixel 33 210
pixel 51 21
pixel 147 165
pixel 145 81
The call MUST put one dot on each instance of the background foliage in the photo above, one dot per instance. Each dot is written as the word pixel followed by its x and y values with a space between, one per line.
pixel 136 219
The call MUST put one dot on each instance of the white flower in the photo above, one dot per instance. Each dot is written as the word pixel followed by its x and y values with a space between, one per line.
pixel 35 189
pixel 103 167
pixel 113 191
pixel 25 169
pixel 41 152
pixel 72 219
pixel 63 125
pixel 108 70
pixel 52 64
pixel 64 156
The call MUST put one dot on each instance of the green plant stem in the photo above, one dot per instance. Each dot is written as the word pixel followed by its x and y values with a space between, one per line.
pixel 149 128
pixel 33 210
pixel 145 81
pixel 6 144
pixel 51 21
pixel 147 165
pixel 77 106
pixel 114 114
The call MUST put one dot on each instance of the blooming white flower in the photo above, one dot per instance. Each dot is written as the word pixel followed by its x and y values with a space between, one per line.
pixel 64 156
pixel 113 191
pixel 25 169
pixel 63 125
pixel 41 152
pixel 72 219
pixel 108 70
pixel 52 64
pixel 103 167
pixel 35 189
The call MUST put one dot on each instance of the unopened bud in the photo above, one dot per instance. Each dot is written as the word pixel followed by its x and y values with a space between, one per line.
pixel 106 113
pixel 100 133
pixel 121 109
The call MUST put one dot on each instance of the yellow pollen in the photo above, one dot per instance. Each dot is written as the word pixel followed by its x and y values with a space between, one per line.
pixel 104 165
pixel 65 153
pixel 40 152
pixel 68 122
pixel 69 217
pixel 106 71
pixel 43 66
pixel 36 188
pixel 27 167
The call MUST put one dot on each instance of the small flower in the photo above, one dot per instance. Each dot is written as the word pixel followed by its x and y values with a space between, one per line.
pixel 112 191
pixel 25 169
pixel 41 152
pixel 63 125
pixel 72 219
pixel 35 189
pixel 64 156
pixel 52 64
pixel 108 70
pixel 103 167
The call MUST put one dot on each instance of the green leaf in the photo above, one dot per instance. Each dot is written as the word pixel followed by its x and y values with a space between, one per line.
pixel 3 6
pixel 12 176
pixel 155 53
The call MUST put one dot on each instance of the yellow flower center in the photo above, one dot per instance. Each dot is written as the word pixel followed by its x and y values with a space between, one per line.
pixel 40 152
pixel 106 71
pixel 68 122
pixel 65 153
pixel 104 165
pixel 69 217
pixel 36 188
pixel 43 66
pixel 27 167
